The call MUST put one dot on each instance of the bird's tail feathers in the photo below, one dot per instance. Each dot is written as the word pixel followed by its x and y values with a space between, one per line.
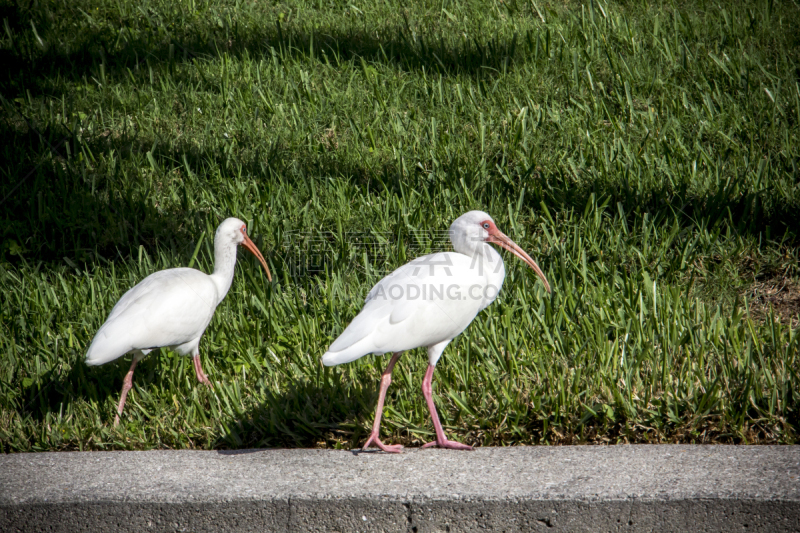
pixel 105 348
pixel 347 355
pixel 97 359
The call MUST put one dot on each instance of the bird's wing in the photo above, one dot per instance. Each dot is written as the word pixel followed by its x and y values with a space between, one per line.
pixel 167 308
pixel 422 303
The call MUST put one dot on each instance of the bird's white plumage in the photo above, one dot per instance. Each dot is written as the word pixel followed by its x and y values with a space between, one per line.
pixel 169 308
pixel 426 302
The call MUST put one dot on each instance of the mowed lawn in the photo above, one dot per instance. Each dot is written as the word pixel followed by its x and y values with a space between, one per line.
pixel 646 154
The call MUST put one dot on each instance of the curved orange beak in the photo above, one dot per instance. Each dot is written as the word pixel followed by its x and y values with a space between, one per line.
pixel 250 245
pixel 498 237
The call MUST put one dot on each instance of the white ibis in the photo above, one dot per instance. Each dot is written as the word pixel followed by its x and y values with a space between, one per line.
pixel 427 302
pixel 171 308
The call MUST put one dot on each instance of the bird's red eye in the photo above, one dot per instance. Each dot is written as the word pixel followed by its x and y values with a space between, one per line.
pixel 486 225
pixel 244 230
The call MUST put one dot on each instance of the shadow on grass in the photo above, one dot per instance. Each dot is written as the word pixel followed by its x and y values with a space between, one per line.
pixel 65 208
pixel 398 45
pixel 303 415
pixel 327 414
pixel 55 205
pixel 54 391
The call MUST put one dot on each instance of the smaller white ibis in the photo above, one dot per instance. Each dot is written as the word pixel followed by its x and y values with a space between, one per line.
pixel 426 303
pixel 171 308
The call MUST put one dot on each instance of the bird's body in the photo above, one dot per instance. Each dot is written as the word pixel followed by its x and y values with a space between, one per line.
pixel 426 303
pixel 170 308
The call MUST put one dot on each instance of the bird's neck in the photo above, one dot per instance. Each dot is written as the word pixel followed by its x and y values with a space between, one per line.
pixel 482 250
pixel 493 262
pixel 486 259
pixel 490 266
pixel 224 265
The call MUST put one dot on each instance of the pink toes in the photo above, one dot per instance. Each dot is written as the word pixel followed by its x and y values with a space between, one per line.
pixel 450 444
pixel 392 448
pixel 388 448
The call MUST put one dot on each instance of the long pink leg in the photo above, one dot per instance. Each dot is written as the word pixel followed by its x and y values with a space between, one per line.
pixel 198 369
pixel 441 441
pixel 374 437
pixel 127 383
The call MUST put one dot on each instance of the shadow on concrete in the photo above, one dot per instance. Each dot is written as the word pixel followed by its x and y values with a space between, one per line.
pixel 239 452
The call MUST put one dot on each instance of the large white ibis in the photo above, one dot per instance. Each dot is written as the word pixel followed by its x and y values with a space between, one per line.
pixel 427 302
pixel 171 308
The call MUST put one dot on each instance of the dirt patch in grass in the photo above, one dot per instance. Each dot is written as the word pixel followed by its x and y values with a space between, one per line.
pixel 781 294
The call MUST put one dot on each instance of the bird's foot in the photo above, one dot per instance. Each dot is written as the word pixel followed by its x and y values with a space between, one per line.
pixel 116 421
pixel 451 444
pixel 202 378
pixel 388 448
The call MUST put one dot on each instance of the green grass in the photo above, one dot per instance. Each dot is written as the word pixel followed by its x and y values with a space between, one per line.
pixel 646 154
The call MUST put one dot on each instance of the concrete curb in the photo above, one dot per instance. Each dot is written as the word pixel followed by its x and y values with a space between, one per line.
pixel 581 488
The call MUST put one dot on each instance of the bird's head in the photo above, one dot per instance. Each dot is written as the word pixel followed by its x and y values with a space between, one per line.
pixel 477 226
pixel 235 231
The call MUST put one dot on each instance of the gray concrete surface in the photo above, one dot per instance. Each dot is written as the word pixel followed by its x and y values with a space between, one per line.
pixel 615 488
